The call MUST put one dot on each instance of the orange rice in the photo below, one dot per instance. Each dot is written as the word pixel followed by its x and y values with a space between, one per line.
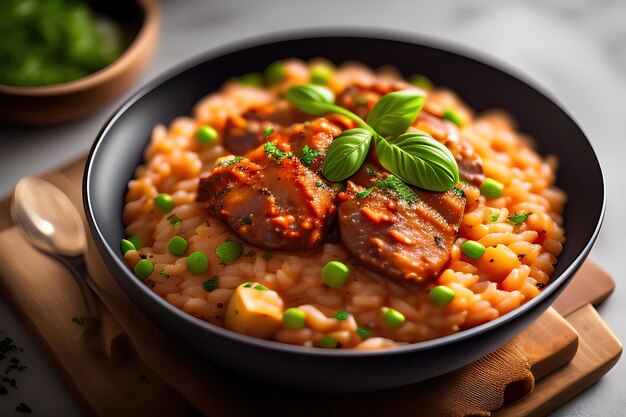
pixel 523 255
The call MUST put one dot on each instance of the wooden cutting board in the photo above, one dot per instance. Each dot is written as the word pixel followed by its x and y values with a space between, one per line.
pixel 569 354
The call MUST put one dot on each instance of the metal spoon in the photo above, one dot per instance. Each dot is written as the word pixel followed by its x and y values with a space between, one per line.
pixel 51 224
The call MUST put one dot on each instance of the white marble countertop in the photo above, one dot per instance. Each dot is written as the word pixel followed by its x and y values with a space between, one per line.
pixel 575 48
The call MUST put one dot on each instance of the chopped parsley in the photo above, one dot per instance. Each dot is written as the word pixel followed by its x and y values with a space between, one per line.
pixel 211 285
pixel 260 287
pixel 163 274
pixel 365 193
pixel 342 315
pixel 518 218
pixel 268 131
pixel 8 350
pixel 247 284
pixel 80 320
pixel 371 172
pixel 458 191
pixel 230 161
pixel 308 155
pixel 23 408
pixel 398 186
pixel 273 152
pixel 175 221
pixel 494 216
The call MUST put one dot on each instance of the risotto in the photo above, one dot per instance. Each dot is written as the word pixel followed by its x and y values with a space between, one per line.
pixel 342 207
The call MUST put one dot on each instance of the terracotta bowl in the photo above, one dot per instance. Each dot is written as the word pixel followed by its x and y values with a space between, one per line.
pixel 139 21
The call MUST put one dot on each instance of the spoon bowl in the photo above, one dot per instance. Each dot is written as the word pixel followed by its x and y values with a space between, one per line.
pixel 48 218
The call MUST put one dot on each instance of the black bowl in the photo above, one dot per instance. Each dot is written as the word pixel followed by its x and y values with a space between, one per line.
pixel 119 148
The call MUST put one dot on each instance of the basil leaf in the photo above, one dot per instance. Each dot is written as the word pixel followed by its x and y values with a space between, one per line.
pixel 311 99
pixel 420 160
pixel 395 112
pixel 346 154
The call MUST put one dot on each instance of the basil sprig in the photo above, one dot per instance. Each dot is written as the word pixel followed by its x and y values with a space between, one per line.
pixel 416 158
pixel 346 154
pixel 395 112
pixel 318 100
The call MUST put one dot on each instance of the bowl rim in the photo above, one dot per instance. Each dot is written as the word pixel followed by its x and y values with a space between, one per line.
pixel 363 35
pixel 148 30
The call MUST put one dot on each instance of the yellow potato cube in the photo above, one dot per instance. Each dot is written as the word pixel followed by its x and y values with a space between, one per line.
pixel 254 310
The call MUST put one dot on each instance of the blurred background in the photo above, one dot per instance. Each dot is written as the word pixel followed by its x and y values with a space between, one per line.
pixel 576 49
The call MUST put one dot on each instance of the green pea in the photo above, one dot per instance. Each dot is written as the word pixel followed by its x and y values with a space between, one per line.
pixel 275 72
pixel 453 116
pixel 392 317
pixel 441 295
pixel 206 134
pixel 135 240
pixel 164 202
pixel 491 188
pixel 327 342
pixel 335 274
pixel 126 245
pixel 251 79
pixel 473 249
pixel 421 81
pixel 197 262
pixel 321 73
pixel 294 318
pixel 177 246
pixel 229 251
pixel 363 332
pixel 143 268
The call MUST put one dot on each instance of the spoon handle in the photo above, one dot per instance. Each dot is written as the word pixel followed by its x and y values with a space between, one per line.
pixel 76 264
pixel 106 334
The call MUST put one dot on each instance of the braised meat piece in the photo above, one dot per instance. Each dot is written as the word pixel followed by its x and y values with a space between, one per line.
pixel 398 238
pixel 276 204
pixel 317 135
pixel 244 135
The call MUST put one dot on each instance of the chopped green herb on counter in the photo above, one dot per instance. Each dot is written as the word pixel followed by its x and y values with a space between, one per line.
pixel 80 320
pixel 8 350
pixel 23 408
